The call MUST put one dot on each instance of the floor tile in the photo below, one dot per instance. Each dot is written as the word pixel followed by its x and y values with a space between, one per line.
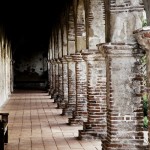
pixel 35 123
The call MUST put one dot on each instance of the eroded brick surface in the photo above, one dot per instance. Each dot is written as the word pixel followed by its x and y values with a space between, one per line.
pixel 96 122
pixel 124 103
pixel 80 113
pixel 70 106
pixel 61 104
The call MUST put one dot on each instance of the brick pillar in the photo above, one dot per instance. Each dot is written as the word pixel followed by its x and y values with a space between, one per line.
pixel 143 38
pixel 60 76
pixel 53 78
pixel 96 123
pixel 80 113
pixel 124 102
pixel 56 91
pixel 50 76
pixel 70 106
pixel 61 104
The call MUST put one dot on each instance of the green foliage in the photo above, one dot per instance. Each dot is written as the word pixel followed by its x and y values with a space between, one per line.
pixel 145 122
pixel 145 104
pixel 145 97
pixel 144 23
pixel 143 60
pixel 145 109
pixel 145 94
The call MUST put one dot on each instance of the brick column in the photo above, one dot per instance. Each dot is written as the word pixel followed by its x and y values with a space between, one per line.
pixel 124 103
pixel 80 113
pixel 52 78
pixel 61 104
pixel 60 77
pixel 49 75
pixel 143 37
pixel 55 93
pixel 96 123
pixel 70 106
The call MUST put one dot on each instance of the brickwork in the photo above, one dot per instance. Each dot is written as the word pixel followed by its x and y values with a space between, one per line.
pixel 71 32
pixel 56 91
pixel 96 123
pixel 49 75
pixel 60 86
pixel 62 103
pixel 52 78
pixel 125 17
pixel 53 90
pixel 70 106
pixel 48 71
pixel 124 103
pixel 80 113
pixel 60 66
pixel 80 27
pixel 143 37
pixel 96 23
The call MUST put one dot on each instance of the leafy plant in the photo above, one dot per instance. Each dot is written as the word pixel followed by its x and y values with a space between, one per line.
pixel 145 109
pixel 144 23
pixel 145 104
pixel 145 122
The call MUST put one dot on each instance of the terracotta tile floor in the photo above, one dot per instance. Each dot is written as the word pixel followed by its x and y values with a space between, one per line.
pixel 36 124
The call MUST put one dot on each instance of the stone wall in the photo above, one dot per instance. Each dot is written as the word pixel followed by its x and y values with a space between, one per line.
pixel 147 9
pixel 6 70
pixel 30 68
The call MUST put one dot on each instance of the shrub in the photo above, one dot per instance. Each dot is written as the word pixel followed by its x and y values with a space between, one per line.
pixel 145 110
pixel 145 122
pixel 145 104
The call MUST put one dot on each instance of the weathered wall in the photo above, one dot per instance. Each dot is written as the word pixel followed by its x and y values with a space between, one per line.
pixel 124 21
pixel 147 8
pixel 30 69
pixel 96 23
pixel 5 70
pixel 143 38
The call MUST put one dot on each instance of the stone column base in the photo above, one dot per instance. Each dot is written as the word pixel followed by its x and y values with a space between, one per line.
pixel 78 119
pixel 114 146
pixel 92 132
pixel 69 108
pixel 61 104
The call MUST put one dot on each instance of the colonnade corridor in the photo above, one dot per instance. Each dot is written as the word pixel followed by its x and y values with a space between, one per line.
pixel 35 123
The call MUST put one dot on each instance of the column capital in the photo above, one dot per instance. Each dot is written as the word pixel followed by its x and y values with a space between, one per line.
pixel 69 58
pixel 55 61
pixel 58 61
pixel 63 59
pixel 77 57
pixel 118 50
pixel 92 55
pixel 142 36
pixel 52 61
pixel 48 61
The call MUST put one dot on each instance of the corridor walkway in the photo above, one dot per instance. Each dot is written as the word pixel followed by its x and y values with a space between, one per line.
pixel 36 124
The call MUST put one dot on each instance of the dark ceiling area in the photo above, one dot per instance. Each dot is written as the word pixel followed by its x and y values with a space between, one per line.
pixel 28 25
